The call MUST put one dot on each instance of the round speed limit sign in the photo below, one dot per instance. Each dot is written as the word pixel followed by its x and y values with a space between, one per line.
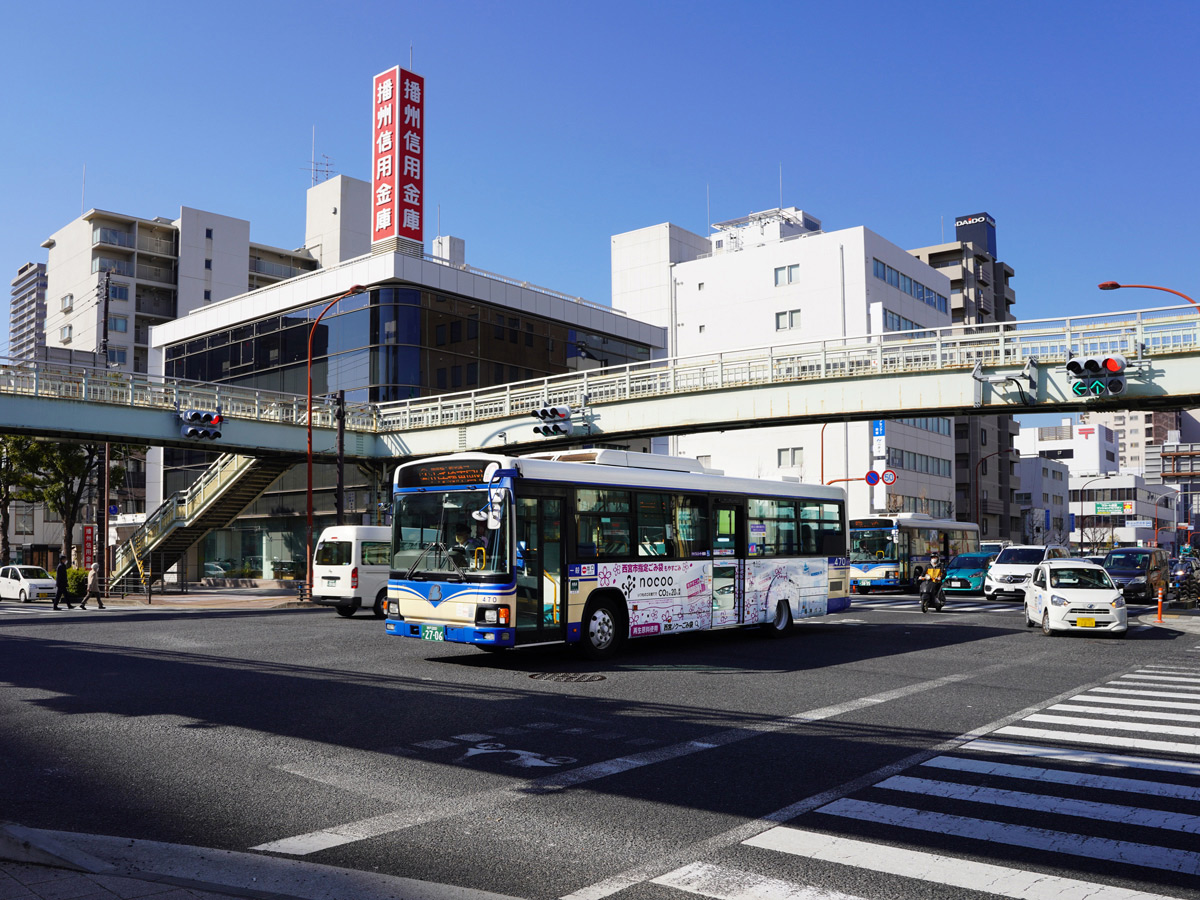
pixel 889 477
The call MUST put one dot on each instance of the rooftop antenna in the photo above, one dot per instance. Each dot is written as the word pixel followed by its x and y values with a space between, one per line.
pixel 321 171
pixel 410 46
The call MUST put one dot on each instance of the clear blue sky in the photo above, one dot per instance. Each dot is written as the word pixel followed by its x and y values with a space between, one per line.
pixel 553 125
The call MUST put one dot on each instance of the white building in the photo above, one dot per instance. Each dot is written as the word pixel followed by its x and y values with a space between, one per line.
pixel 27 315
pixel 776 278
pixel 1085 449
pixel 1042 500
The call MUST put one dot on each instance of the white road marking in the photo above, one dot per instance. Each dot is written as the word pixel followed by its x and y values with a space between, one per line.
pixel 1066 806
pixel 1108 724
pixel 1135 701
pixel 1128 713
pixel 721 883
pixel 1150 676
pixel 931 867
pixel 1101 740
pixel 1060 776
pixel 1072 755
pixel 1041 839
pixel 336 835
pixel 1129 683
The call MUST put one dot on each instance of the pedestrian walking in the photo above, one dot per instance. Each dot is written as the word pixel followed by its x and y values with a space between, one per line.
pixel 60 584
pixel 93 587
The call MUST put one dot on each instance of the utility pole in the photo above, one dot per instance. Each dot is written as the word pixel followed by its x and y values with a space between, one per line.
pixel 103 486
pixel 340 415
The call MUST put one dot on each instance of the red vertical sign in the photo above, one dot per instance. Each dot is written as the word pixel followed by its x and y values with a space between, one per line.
pixel 398 154
pixel 89 544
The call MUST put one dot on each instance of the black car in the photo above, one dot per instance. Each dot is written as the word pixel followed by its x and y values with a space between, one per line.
pixel 1140 572
pixel 1185 579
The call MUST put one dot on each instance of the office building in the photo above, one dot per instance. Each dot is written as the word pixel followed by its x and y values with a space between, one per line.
pixel 1136 432
pixel 27 314
pixel 776 277
pixel 1042 501
pixel 981 293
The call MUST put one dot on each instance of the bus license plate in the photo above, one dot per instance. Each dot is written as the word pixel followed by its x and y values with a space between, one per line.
pixel 1086 623
pixel 433 632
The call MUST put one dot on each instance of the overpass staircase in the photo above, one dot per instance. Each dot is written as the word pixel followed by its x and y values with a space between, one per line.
pixel 214 500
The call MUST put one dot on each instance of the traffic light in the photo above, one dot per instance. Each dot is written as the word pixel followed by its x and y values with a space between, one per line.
pixel 1097 376
pixel 201 424
pixel 555 420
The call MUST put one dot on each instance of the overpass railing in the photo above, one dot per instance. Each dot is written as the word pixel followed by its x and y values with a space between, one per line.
pixel 69 382
pixel 1139 334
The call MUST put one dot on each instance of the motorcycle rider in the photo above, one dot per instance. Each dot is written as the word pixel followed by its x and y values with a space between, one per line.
pixel 931 584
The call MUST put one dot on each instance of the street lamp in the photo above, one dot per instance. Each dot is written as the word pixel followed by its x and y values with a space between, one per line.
pixel 1112 286
pixel 978 512
pixel 1081 490
pixel 356 289
pixel 1157 501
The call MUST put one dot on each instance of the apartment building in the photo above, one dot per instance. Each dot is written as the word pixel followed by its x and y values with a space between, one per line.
pixel 27 314
pixel 981 293
pixel 776 277
pixel 1136 432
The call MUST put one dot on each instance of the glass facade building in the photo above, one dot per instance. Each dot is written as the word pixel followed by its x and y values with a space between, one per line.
pixel 394 342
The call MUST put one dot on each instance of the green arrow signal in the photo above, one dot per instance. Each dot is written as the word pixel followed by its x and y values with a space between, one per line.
pixel 1078 388
pixel 1098 387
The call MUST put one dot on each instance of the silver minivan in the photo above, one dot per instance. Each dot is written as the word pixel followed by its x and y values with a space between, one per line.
pixel 351 566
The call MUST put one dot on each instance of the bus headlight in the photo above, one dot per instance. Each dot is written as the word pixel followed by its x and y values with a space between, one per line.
pixel 492 615
pixel 393 609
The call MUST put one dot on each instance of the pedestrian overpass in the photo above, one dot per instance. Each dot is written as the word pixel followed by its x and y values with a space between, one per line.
pixel 1002 368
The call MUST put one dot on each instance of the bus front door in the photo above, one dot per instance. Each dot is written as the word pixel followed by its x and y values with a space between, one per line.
pixel 541 600
pixel 729 607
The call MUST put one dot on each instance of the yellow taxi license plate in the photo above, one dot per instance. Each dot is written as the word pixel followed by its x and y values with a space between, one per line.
pixel 1086 623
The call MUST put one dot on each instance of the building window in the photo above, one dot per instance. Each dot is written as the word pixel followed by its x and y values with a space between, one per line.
pixel 528 334
pixel 456 376
pixel 207 296
pixel 119 324
pixel 787 275
pixel 982 437
pixel 208 233
pixel 702 329
pixel 456 332
pixel 791 457
pixel 68 301
pixel 118 291
pixel 208 264
pixel 64 334
pixel 440 335
pixel 117 356
pixel 700 286
pixel 22 517
pixel 786 321
pixel 441 378
pixel 472 373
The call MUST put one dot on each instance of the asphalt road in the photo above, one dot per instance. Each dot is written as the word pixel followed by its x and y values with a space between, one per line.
pixel 879 754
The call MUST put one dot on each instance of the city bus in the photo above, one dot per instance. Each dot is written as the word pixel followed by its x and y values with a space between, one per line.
pixel 892 552
pixel 593 547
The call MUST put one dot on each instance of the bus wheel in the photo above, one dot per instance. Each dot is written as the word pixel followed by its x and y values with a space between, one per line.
pixel 379 603
pixel 782 623
pixel 601 629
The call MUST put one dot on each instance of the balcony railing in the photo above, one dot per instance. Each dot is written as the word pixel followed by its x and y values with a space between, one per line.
pixel 160 246
pixel 113 236
pixel 275 270
pixel 156 273
pixel 116 266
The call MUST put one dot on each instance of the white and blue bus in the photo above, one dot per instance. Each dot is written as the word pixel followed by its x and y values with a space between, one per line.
pixel 892 552
pixel 592 547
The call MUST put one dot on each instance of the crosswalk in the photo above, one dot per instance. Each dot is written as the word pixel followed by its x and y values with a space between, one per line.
pixel 1103 785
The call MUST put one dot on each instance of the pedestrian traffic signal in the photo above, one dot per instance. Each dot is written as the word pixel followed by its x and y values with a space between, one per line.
pixel 555 421
pixel 201 424
pixel 1097 376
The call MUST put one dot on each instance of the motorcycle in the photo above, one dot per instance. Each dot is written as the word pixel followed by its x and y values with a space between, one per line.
pixel 932 596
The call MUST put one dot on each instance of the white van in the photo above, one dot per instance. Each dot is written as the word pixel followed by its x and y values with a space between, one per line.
pixel 351 567
pixel 1008 577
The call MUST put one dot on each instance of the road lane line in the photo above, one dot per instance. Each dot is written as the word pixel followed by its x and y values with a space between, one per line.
pixel 721 883
pixel 336 835
pixel 1040 839
pixel 1065 806
pixel 1061 776
pixel 937 869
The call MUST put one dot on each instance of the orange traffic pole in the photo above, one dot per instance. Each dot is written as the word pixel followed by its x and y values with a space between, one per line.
pixel 1160 596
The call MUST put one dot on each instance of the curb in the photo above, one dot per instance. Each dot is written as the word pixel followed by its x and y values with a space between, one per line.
pixel 23 845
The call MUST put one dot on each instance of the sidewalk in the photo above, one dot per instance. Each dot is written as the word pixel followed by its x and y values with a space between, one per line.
pixel 1176 618
pixel 218 597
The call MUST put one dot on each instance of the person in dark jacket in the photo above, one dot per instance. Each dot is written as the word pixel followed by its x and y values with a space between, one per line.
pixel 60 584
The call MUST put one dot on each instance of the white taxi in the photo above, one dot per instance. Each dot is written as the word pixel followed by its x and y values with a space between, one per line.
pixel 1074 595
pixel 26 583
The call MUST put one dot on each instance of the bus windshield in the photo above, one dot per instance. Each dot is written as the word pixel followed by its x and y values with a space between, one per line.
pixel 436 532
pixel 870 544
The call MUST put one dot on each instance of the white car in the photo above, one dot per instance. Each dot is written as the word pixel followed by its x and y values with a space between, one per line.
pixel 1008 577
pixel 26 583
pixel 1074 595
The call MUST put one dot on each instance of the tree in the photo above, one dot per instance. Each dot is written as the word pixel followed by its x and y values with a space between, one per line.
pixel 14 458
pixel 59 475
